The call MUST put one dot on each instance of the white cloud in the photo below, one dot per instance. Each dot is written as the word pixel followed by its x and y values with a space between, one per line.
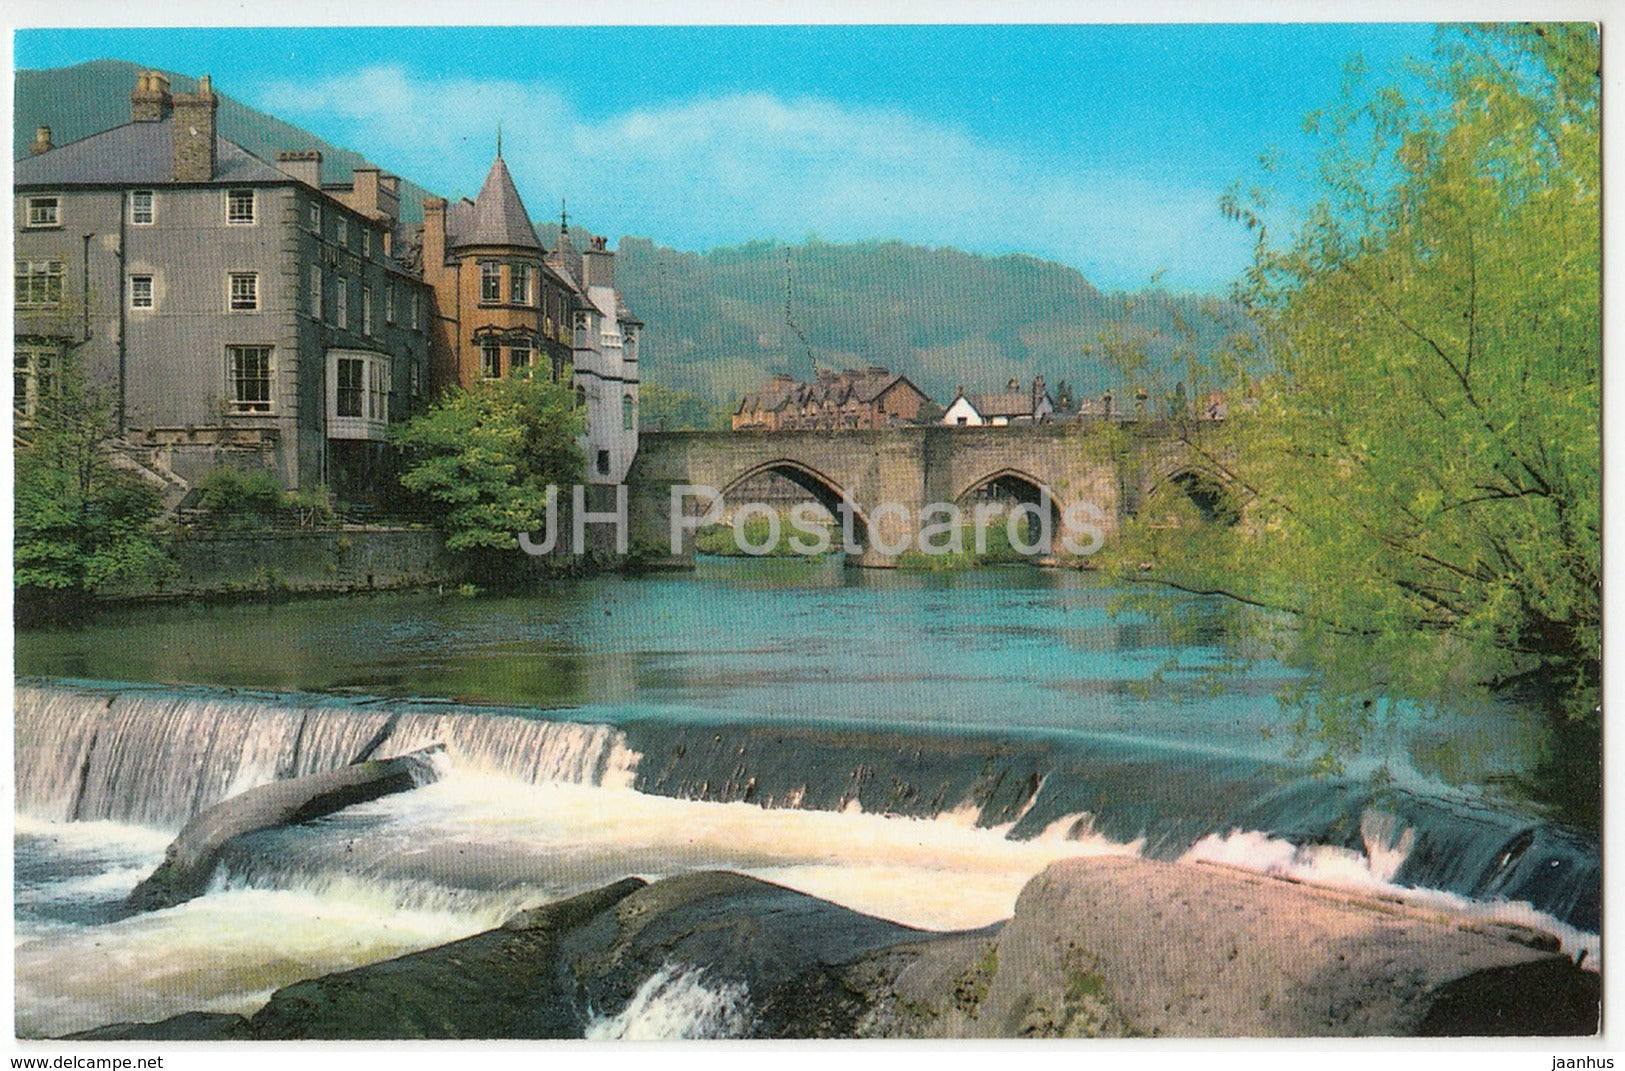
pixel 720 170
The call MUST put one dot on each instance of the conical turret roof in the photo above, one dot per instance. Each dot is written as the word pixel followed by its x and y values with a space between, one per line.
pixel 499 216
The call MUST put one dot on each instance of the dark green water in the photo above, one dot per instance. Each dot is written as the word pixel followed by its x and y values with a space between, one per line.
pixel 1008 650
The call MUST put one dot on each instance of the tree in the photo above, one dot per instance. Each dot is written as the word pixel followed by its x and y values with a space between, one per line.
pixel 1423 460
pixel 662 408
pixel 480 462
pixel 81 524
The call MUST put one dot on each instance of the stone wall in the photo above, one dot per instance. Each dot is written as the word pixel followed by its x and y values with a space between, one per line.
pixel 351 558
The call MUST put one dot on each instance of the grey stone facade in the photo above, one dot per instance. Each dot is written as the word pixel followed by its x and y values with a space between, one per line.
pixel 200 288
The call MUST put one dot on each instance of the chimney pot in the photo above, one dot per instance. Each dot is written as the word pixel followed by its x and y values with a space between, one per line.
pixel 150 101
pixel 303 164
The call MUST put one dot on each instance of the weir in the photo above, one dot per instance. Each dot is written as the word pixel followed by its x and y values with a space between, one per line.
pixel 156 756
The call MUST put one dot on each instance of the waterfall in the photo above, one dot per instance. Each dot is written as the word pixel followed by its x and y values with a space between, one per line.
pixel 156 756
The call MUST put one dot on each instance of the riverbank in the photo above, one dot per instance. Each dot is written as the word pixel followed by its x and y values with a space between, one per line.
pixel 1100 947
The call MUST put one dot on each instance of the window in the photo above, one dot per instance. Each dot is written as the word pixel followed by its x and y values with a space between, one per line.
pixel 629 412
pixel 248 370
pixel 491 360
pixel 366 242
pixel 518 357
pixel 141 208
pixel 245 291
pixel 378 391
pixel 417 309
pixel 490 282
pixel 341 303
pixel 44 212
pixel 315 292
pixel 239 206
pixel 140 291
pixel 603 462
pixel 417 386
pixel 33 379
pixel 352 386
pixel 366 310
pixel 316 217
pixel 344 231
pixel 519 284
pixel 389 301
pixel 39 284
pixel 358 386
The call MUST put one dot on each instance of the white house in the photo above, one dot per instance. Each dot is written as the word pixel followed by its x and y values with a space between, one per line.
pixel 1009 406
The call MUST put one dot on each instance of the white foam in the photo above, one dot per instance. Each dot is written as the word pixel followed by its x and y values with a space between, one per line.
pixel 222 952
pixel 677 1002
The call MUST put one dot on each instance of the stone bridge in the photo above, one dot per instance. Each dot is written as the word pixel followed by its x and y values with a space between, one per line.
pixel 887 476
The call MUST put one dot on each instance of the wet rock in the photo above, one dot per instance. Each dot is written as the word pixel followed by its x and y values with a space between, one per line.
pixel 188 1026
pixel 510 982
pixel 190 859
pixel 1124 947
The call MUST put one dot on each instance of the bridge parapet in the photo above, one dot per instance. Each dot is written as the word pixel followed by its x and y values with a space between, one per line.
pixel 888 476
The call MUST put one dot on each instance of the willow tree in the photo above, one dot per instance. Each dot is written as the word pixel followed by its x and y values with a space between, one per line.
pixel 1419 439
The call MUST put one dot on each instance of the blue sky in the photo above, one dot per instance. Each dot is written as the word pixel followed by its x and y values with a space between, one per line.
pixel 1103 147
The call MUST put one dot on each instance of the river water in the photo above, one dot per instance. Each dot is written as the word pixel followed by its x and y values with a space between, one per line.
pixel 912 745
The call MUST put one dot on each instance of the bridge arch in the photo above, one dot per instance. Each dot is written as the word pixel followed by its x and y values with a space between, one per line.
pixel 824 490
pixel 1024 486
pixel 1211 492
pixel 1015 485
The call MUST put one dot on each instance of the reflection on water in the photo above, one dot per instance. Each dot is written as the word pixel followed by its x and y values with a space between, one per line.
pixel 773 641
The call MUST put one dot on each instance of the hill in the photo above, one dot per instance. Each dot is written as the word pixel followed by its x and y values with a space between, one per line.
pixel 719 323
pixel 76 102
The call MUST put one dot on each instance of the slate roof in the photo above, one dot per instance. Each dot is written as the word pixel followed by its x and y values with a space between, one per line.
pixel 496 217
pixel 834 388
pixel 136 154
pixel 1010 403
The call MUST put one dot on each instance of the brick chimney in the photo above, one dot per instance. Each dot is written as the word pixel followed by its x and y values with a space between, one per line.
pixel 42 141
pixel 303 164
pixel 149 101
pixel 598 264
pixel 194 133
pixel 434 238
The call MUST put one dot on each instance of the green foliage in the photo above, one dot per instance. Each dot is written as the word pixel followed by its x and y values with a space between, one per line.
pixel 81 524
pixel 723 540
pixel 480 461
pixel 662 408
pixel 231 498
pixel 1423 460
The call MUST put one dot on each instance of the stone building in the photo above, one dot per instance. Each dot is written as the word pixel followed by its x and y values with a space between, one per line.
pixel 236 311
pixel 856 398
pixel 503 303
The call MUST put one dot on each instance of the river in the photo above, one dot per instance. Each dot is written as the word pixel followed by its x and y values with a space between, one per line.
pixel 914 745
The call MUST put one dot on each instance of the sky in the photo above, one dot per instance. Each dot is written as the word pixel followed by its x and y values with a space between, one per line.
pixel 1103 147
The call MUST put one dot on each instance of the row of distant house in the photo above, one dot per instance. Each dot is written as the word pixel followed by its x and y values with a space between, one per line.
pixel 876 397
pixel 260 314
